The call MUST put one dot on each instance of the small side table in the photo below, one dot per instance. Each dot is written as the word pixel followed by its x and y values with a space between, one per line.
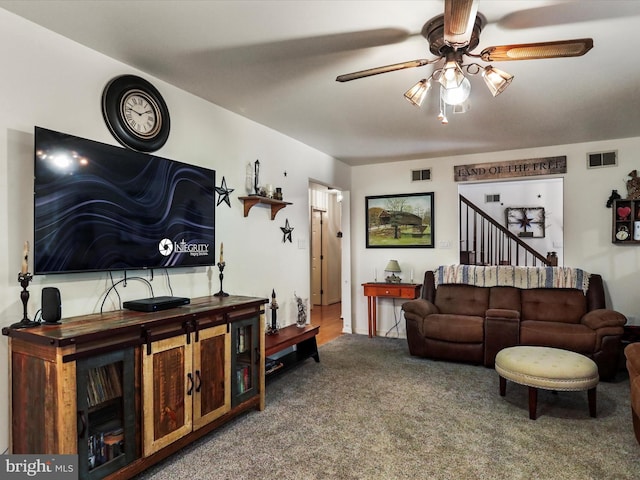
pixel 374 290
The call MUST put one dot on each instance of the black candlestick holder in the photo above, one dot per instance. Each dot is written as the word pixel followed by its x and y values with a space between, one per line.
pixel 273 328
pixel 221 293
pixel 26 322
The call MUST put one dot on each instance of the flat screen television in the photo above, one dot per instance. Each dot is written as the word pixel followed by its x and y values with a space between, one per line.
pixel 99 207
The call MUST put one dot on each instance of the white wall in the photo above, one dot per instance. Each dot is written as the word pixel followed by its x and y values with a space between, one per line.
pixel 49 81
pixel 587 222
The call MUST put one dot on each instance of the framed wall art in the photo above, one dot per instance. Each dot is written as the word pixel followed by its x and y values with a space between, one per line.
pixel 400 221
pixel 526 221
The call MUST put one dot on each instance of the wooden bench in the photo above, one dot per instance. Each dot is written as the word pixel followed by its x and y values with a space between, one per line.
pixel 304 340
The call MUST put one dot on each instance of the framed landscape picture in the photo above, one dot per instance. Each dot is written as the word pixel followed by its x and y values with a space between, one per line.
pixel 400 221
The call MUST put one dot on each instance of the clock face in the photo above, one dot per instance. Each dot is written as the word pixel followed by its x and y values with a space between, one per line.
pixel 526 221
pixel 622 233
pixel 141 114
pixel 135 113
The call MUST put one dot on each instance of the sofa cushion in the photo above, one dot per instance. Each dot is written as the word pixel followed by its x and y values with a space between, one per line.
pixel 462 300
pixel 553 305
pixel 505 298
pixel 575 337
pixel 454 328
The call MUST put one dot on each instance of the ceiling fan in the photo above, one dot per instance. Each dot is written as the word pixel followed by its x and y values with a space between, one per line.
pixel 454 35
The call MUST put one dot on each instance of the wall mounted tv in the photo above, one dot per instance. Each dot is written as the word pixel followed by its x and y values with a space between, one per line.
pixel 99 207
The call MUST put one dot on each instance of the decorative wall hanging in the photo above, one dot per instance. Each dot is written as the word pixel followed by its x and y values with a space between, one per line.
pixel 510 169
pixel 286 231
pixel 633 185
pixel 223 193
pixel 400 221
pixel 614 196
pixel 525 221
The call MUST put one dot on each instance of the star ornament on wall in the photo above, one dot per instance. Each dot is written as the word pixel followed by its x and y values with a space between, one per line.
pixel 223 193
pixel 286 232
pixel 525 221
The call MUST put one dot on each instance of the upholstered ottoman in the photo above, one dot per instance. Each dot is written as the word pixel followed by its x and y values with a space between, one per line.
pixel 547 368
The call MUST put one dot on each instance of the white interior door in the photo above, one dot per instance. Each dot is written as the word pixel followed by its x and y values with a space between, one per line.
pixel 316 257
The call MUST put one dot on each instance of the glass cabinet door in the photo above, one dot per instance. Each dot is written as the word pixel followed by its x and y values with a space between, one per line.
pixel 106 413
pixel 245 359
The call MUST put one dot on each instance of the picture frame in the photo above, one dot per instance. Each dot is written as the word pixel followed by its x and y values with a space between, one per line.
pixel 403 220
pixel 526 222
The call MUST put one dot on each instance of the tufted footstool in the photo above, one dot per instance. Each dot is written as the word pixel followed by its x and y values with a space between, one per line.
pixel 548 368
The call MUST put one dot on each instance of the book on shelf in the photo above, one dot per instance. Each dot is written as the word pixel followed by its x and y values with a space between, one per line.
pixel 103 384
pixel 105 446
pixel 271 365
pixel 243 379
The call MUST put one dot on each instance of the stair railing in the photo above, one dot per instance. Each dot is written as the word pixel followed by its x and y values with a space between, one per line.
pixel 483 241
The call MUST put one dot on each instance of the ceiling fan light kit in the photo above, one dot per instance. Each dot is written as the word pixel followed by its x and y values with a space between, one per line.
pixel 452 36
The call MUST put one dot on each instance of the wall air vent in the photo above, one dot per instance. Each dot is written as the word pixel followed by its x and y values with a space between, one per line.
pixel 420 175
pixel 492 198
pixel 602 159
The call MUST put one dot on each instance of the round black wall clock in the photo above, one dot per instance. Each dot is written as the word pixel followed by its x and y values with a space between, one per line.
pixel 136 113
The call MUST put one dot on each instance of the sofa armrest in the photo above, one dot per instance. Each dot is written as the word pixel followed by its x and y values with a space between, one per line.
pixel 419 308
pixel 502 313
pixel 501 330
pixel 600 318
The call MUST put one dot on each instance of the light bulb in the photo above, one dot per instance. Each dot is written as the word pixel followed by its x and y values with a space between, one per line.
pixel 456 96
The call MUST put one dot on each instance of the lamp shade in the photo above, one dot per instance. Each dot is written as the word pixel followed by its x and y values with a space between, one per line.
pixel 415 95
pixel 496 80
pixel 451 75
pixel 392 266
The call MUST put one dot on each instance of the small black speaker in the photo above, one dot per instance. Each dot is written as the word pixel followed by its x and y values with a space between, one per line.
pixel 51 305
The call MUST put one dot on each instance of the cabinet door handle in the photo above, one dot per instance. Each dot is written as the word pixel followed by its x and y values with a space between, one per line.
pixel 83 421
pixel 199 381
pixel 257 355
pixel 190 377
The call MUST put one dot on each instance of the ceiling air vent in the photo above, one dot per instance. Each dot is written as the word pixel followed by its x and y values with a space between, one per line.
pixel 492 198
pixel 602 159
pixel 421 175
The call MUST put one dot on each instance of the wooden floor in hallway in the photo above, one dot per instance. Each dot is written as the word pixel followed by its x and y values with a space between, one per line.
pixel 330 322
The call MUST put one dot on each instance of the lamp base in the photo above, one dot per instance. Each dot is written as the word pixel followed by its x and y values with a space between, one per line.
pixel 25 323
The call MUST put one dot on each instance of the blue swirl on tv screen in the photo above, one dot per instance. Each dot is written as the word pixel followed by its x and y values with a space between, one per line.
pixel 99 207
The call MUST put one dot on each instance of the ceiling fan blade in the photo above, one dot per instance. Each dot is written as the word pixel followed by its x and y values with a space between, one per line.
pixel 387 68
pixel 459 18
pixel 531 51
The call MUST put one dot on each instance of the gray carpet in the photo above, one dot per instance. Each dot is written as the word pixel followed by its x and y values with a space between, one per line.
pixel 368 410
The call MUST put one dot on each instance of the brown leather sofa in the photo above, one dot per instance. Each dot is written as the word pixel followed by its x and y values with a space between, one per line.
pixel 472 324
pixel 632 352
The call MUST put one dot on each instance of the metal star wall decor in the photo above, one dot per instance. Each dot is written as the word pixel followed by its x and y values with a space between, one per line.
pixel 286 231
pixel 223 193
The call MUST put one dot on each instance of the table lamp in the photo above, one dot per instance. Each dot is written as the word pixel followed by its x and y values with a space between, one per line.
pixel 393 267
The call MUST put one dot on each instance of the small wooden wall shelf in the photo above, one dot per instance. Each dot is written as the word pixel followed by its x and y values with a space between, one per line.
pixel 625 213
pixel 276 205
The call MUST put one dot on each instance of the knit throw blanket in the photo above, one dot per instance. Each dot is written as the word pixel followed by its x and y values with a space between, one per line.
pixel 510 276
